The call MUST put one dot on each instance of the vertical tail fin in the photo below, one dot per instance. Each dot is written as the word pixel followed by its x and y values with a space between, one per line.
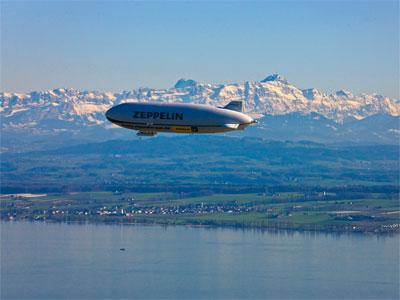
pixel 234 105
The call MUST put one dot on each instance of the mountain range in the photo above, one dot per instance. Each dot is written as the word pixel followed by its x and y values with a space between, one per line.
pixel 283 110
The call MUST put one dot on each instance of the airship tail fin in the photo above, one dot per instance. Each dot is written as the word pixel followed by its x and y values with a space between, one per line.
pixel 234 105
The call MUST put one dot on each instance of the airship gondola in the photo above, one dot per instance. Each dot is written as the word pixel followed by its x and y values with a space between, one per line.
pixel 150 118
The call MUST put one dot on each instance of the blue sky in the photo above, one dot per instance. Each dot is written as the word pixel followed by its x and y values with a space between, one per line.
pixel 123 45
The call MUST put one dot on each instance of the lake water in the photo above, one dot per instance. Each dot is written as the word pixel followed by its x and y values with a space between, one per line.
pixel 64 261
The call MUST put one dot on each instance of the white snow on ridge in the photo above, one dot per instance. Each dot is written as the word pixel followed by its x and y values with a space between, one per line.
pixel 16 110
pixel 85 108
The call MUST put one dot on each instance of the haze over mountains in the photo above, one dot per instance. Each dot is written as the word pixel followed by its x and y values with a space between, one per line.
pixel 285 111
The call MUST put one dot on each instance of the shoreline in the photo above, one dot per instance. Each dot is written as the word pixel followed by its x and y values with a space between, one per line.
pixel 241 227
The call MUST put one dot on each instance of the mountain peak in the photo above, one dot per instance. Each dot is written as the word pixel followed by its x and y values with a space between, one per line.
pixel 310 94
pixel 275 77
pixel 182 83
pixel 344 93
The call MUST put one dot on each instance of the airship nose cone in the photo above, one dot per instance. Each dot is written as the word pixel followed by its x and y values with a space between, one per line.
pixel 110 114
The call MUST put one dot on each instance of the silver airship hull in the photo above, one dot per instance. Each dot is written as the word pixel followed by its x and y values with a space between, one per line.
pixel 150 118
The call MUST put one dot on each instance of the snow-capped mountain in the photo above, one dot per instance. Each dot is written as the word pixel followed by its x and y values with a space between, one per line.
pixel 272 96
pixel 61 112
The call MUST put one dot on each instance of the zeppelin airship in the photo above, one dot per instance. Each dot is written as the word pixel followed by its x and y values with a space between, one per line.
pixel 150 118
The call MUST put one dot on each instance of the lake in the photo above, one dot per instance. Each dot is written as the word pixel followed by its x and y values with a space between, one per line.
pixel 68 261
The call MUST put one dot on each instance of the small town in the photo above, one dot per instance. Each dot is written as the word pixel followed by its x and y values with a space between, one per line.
pixel 315 211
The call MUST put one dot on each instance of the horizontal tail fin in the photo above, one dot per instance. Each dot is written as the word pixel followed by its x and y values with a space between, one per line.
pixel 231 126
pixel 234 105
